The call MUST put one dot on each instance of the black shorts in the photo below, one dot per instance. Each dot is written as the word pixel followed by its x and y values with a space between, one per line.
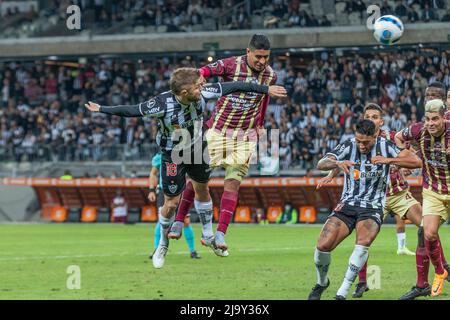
pixel 174 174
pixel 351 215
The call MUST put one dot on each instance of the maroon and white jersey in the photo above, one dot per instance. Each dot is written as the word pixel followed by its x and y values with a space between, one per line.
pixel 435 160
pixel 397 181
pixel 239 110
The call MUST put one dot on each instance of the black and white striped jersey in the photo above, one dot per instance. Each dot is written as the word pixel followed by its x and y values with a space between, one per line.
pixel 180 126
pixel 366 184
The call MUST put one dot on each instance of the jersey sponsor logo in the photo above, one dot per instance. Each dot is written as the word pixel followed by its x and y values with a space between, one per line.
pixel 356 174
pixel 437 146
pixel 212 89
pixel 154 110
pixel 151 108
pixel 372 174
pixel 437 164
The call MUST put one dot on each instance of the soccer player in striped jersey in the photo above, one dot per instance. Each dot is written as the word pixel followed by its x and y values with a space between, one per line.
pixel 180 139
pixel 399 199
pixel 156 195
pixel 433 139
pixel 366 161
pixel 233 129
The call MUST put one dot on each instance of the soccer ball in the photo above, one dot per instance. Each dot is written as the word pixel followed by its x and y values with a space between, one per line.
pixel 388 29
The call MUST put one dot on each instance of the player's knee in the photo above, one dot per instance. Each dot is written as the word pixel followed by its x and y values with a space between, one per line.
pixel 172 204
pixel 232 185
pixel 325 246
pixel 202 189
pixel 430 235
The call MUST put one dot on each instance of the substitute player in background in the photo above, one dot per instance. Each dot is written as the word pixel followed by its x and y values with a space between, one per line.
pixel 433 139
pixel 180 136
pixel 366 161
pixel 399 199
pixel 156 195
pixel 232 134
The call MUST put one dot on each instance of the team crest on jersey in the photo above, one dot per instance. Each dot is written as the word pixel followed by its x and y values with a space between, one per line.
pixel 173 188
pixel 214 65
pixel 151 103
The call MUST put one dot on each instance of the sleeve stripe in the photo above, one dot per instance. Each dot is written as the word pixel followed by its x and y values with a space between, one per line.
pixel 331 154
pixel 140 108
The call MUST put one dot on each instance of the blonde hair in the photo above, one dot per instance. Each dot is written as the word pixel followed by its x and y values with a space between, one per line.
pixel 435 105
pixel 183 77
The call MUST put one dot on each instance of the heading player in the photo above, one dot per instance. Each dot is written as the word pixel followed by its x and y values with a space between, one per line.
pixel 232 136
pixel 180 136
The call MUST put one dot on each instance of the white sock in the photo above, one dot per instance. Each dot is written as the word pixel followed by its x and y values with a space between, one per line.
pixel 322 261
pixel 401 240
pixel 355 263
pixel 164 224
pixel 205 211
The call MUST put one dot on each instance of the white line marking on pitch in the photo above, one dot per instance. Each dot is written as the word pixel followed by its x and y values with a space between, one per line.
pixel 147 253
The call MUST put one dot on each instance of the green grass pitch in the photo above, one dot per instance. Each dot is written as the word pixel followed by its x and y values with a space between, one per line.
pixel 265 262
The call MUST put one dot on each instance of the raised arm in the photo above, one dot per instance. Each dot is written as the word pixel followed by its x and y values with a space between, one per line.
pixel 329 162
pixel 399 140
pixel 328 178
pixel 147 108
pixel 405 159
pixel 216 90
pixel 122 110
pixel 337 159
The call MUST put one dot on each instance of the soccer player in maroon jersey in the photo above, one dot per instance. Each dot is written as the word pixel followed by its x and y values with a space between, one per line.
pixel 432 137
pixel 399 199
pixel 232 133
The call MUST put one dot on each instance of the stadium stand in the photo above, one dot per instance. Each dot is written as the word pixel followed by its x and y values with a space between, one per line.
pixel 43 119
pixel 133 16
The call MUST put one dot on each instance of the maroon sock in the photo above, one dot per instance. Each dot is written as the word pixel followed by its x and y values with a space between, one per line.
pixel 434 252
pixel 422 266
pixel 227 206
pixel 187 199
pixel 363 273
pixel 444 262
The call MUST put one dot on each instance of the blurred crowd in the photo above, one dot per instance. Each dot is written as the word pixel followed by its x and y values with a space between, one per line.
pixel 201 15
pixel 42 114
pixel 327 99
